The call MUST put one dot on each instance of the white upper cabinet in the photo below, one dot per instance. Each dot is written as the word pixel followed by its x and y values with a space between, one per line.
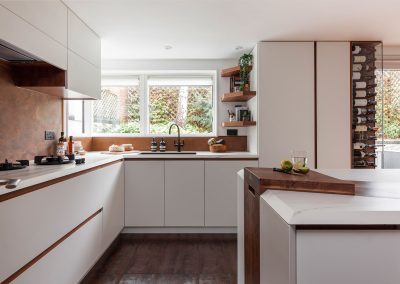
pixel 83 41
pixel 50 17
pixel 84 59
pixel 82 77
pixel 333 105
pixel 16 30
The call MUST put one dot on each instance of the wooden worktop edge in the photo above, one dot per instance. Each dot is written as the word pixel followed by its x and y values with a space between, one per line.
pixel 28 189
pixel 191 159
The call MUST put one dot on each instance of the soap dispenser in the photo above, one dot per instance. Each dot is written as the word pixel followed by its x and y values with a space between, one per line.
pixel 153 145
pixel 163 145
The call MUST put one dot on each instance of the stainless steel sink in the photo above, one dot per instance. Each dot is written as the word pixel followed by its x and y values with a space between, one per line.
pixel 168 153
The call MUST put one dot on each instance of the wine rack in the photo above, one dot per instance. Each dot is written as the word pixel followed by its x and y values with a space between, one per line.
pixel 363 90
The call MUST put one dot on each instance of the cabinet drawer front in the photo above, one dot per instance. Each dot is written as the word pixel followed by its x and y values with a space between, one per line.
pixel 184 193
pixel 144 193
pixel 30 39
pixel 70 260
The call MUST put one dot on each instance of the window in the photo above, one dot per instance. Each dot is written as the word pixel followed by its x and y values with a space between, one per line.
pixel 147 105
pixel 75 110
pixel 185 101
pixel 118 110
pixel 388 117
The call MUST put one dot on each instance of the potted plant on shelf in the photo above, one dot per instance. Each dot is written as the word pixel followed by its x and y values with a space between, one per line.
pixel 245 61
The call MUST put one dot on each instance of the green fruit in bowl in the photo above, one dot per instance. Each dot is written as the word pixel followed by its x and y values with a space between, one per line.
pixel 286 165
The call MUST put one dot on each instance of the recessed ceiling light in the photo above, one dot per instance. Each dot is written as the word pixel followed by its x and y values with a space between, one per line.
pixel 167 47
pixel 239 47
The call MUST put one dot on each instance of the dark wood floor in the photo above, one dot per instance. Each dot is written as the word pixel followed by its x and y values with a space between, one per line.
pixel 168 259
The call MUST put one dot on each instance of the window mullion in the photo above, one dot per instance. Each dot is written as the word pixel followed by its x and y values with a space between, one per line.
pixel 143 105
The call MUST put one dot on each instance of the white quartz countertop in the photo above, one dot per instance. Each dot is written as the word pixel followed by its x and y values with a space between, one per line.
pixel 199 155
pixel 302 208
pixel 35 174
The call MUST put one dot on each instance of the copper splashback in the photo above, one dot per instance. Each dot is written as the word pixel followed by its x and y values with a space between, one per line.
pixel 24 116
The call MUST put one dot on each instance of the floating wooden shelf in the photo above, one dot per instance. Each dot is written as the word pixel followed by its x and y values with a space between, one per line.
pixel 238 123
pixel 228 72
pixel 238 96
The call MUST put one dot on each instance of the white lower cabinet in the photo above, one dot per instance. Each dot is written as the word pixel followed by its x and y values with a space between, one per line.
pixel 70 260
pixel 277 248
pixel 348 256
pixel 42 217
pixel 184 193
pixel 144 193
pixel 325 256
pixel 113 203
pixel 220 192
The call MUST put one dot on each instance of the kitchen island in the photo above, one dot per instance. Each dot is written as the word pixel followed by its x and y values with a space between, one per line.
pixel 313 238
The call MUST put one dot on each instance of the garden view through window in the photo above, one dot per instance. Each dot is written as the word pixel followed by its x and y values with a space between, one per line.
pixel 150 104
pixel 388 117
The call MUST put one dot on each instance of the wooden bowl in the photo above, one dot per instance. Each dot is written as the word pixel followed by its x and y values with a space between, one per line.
pixel 218 148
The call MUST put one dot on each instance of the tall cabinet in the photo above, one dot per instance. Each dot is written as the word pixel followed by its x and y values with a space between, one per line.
pixel 333 105
pixel 285 82
pixel 304 102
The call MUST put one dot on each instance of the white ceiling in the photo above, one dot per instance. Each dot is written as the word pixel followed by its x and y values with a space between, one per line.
pixel 139 29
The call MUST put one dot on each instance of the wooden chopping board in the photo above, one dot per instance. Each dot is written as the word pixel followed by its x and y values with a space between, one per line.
pixel 120 153
pixel 262 179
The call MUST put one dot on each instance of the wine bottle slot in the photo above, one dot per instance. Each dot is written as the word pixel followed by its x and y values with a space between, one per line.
pixel 363 154
pixel 363 120
pixel 365 128
pixel 364 102
pixel 363 111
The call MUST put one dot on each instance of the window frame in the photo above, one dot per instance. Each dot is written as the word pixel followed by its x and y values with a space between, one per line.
pixel 86 117
pixel 144 103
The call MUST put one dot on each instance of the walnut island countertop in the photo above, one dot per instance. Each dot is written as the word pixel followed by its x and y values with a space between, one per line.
pixel 376 200
pixel 270 218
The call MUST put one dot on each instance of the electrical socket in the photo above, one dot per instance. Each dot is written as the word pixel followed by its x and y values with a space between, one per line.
pixel 49 135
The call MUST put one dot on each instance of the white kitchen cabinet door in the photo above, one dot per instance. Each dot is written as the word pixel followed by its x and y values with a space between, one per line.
pixel 333 105
pixel 50 17
pixel 83 41
pixel 113 204
pixel 184 193
pixel 83 77
pixel 348 256
pixel 277 248
pixel 17 32
pixel 70 260
pixel 144 193
pixel 221 192
pixel 285 91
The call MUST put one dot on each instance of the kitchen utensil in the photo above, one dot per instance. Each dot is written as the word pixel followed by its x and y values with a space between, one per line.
pixel 12 183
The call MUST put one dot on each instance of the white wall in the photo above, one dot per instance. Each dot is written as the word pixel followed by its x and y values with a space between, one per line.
pixel 180 65
pixel 252 132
